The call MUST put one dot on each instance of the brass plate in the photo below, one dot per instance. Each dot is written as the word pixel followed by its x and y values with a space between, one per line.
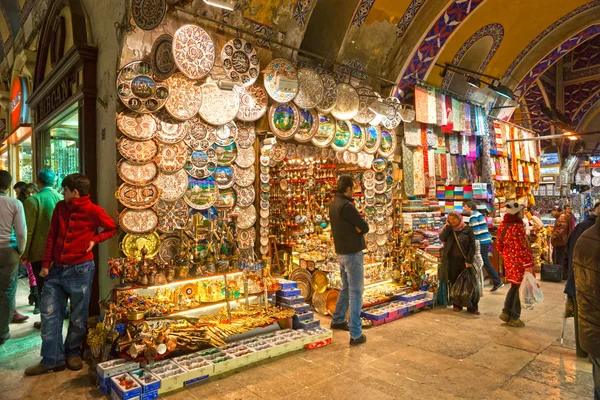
pixel 137 174
pixel 346 106
pixel 138 90
pixel 172 215
pixel 137 197
pixel 132 245
pixel 309 125
pixel 304 279
pixel 253 102
pixel 320 281
pixel 193 51
pixel 240 61
pixel 310 88
pixel 138 221
pixel 170 247
pixel 218 106
pixel 284 120
pixel 279 67
pixel 185 98
pixel 330 94
pixel 136 126
pixel 172 186
pixel 171 157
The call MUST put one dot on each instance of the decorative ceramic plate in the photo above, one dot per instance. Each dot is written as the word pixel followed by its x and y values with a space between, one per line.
pixel 359 138
pixel 218 106
pixel 133 245
pixel 387 146
pixel 138 197
pixel 310 88
pixel 284 120
pixel 595 171
pixel 226 134
pixel 201 164
pixel 279 67
pixel 226 199
pixel 245 195
pixel 253 102
pixel 379 164
pixel 291 150
pixel 309 125
pixel 279 151
pixel 366 96
pixel 343 136
pixel 330 94
pixel 224 177
pixel 596 181
pixel 170 130
pixel 346 106
pixel 243 176
pixel 193 51
pixel 171 157
pixel 201 194
pixel 392 118
pixel 161 57
pixel 373 135
pixel 225 154
pixel 185 98
pixel 137 174
pixel 172 186
pixel 246 134
pixel 264 178
pixel 170 247
pixel 264 250
pixel 136 126
pixel 246 237
pixel 201 136
pixel 172 215
pixel 245 157
pixel 138 91
pixel 138 222
pixel 326 131
pixel 264 241
pixel 137 152
pixel 240 61
pixel 264 214
pixel 246 216
pixel 148 14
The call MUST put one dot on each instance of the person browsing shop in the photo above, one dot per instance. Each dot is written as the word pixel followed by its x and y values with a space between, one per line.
pixel 478 224
pixel 68 268
pixel 348 229
pixel 560 236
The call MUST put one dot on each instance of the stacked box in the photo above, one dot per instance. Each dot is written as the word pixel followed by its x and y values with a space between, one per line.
pixel 285 284
pixel 171 375
pixel 198 368
pixel 111 368
pixel 289 293
pixel 148 381
pixel 124 387
pixel 298 308
pixel 290 301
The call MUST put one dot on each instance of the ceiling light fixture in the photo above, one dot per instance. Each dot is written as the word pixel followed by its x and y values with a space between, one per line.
pixel 225 4
pixel 379 107
pixel 476 83
pixel 494 84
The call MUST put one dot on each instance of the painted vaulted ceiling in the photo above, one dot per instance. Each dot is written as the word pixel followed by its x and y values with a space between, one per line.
pixel 13 15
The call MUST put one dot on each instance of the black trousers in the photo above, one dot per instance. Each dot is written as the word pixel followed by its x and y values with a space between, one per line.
pixel 37 268
pixel 580 351
pixel 456 265
pixel 558 253
pixel 512 304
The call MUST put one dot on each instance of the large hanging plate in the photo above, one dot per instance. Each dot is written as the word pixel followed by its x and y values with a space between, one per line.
pixel 243 176
pixel 359 137
pixel 138 197
pixel 170 247
pixel 172 186
pixel 245 157
pixel 343 136
pixel 171 157
pixel 224 177
pixel 246 216
pixel 137 174
pixel 172 215
pixel 201 136
pixel 246 237
pixel 137 152
pixel 366 96
pixel 245 195
pixel 218 106
pixel 170 130
pixel 201 194
pixel 226 134
pixel 201 164
pixel 246 134
pixel 279 67
pixel 136 126
pixel 226 199
pixel 279 151
pixel 388 143
pixel 133 245
pixel 138 222
pixel 309 125
pixel 226 155
pixel 161 57
pixel 330 94
pixel 240 61
pixel 392 118
pixel 138 91
pixel 193 51
pixel 304 279
pixel 284 120
pixel 185 98
pixel 326 131
pixel 310 88
pixel 253 102
pixel 148 14
pixel 320 281
pixel 373 136
pixel 346 106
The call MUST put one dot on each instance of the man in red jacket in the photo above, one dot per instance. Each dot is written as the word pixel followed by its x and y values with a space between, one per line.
pixel 68 265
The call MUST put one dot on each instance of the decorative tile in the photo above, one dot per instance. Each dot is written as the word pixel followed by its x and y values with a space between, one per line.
pixel 361 12
pixel 587 55
pixel 407 18
pixel 302 11
pixel 580 113
pixel 576 94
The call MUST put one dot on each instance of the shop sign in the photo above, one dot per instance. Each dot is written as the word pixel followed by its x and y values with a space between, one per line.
pixel 59 95
pixel 595 161
pixel 550 171
pixel 18 108
pixel 548 179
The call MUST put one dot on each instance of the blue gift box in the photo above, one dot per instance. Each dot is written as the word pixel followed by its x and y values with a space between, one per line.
pixel 304 316
pixel 283 284
pixel 290 300
pixel 299 308
pixel 150 395
pixel 309 324
pixel 287 293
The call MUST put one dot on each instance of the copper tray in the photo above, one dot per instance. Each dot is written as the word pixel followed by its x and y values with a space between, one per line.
pixel 284 120
pixel 253 102
pixel 137 174
pixel 148 14
pixel 172 216
pixel 279 67
pixel 137 197
pixel 136 126
pixel 172 186
pixel 137 152
pixel 171 157
pixel 326 131
pixel 309 125
pixel 246 134
pixel 346 106
pixel 170 130
pixel 185 98
pixel 218 106
pixel 240 61
pixel 193 51
pixel 138 221
pixel 138 90
pixel 330 94
pixel 304 279
pixel 310 88
pixel 132 245
pixel 387 146
pixel 161 57
pixel 170 247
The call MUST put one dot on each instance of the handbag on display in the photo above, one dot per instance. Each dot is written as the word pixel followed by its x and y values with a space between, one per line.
pixel 552 272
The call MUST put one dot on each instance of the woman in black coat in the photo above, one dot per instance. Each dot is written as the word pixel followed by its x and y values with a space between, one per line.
pixel 457 255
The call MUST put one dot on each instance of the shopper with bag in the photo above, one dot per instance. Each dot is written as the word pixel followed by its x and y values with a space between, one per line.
pixel 513 246
pixel 457 256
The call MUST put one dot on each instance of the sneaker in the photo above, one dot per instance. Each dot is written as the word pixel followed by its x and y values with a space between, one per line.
pixel 74 363
pixel 497 287
pixel 359 340
pixel 457 309
pixel 505 317
pixel 342 326
pixel 40 369
pixel 516 323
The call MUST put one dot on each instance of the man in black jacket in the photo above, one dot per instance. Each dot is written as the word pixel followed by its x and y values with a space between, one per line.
pixel 586 265
pixel 348 229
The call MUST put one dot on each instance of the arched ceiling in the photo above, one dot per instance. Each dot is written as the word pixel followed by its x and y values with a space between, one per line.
pixel 13 15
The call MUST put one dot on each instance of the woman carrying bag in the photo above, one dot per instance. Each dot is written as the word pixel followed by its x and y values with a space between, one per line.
pixel 458 254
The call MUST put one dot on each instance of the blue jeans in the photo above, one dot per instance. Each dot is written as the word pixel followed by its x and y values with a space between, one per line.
pixel 596 371
pixel 74 281
pixel 488 265
pixel 352 270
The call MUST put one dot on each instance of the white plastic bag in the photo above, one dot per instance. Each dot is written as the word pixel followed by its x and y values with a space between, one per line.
pixel 530 292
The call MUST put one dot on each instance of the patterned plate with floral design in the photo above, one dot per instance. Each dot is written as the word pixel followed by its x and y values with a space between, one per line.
pixel 343 136
pixel 279 151
pixel 185 98
pixel 279 67
pixel 201 135
pixel 246 216
pixel 137 152
pixel 193 51
pixel 226 134
pixel 243 176
pixel 253 102
pixel 246 237
pixel 172 186
pixel 172 215
pixel 137 197
pixel 138 91
pixel 284 120
pixel 136 126
pixel 161 57
pixel 226 199
pixel 346 106
pixel 392 119
pixel 171 157
pixel 218 106
pixel 240 61
pixel 366 96
pixel 170 247
pixel 326 131
pixel 138 222
pixel 330 94
pixel 201 194
pixel 137 174
pixel 246 134
pixel 245 157
pixel 148 14
pixel 309 125
pixel 170 130
pixel 245 195
pixel 310 88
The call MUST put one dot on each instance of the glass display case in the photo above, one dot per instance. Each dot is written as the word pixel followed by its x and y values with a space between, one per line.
pixel 4 159
pixel 24 161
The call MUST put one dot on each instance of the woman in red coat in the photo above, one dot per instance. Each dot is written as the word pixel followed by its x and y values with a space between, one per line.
pixel 516 253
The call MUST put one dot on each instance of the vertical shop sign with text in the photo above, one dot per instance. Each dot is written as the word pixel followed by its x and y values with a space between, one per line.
pixel 19 110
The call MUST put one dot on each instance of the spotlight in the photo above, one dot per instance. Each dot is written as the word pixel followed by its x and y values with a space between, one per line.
pixel 379 107
pixel 502 90
pixel 225 85
pixel 225 4
pixel 476 83
pixel 570 136
pixel 286 85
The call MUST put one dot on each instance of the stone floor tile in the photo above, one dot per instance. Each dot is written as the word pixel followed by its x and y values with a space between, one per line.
pixel 562 356
pixel 501 358
pixel 559 376
pixel 339 388
pixel 529 339
pixel 518 388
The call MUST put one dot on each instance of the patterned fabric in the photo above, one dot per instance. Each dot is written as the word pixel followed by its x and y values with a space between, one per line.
pixel 514 248
pixel 425 158
pixel 453 142
pixel 431 160
pixel 412 134
pixel 467 118
pixel 456 113
pixel 408 174
pixel 421 104
pixel 444 165
pixel 464 145
pixel 431 136
pixel 431 107
pixel 461 118
pixel 419 171
pixel 440 113
pixel 449 126
pixel 472 148
pixel 441 138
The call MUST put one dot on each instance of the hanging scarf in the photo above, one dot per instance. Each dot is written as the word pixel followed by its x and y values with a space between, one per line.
pixel 448 127
pixel 421 104
pixel 467 118
pixel 431 107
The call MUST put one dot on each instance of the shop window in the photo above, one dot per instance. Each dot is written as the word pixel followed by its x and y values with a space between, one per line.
pixel 4 160
pixel 24 161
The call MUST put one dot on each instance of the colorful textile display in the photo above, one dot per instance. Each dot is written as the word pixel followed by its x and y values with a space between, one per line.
pixel 412 134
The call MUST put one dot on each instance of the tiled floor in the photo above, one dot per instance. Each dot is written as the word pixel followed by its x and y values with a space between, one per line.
pixel 434 354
